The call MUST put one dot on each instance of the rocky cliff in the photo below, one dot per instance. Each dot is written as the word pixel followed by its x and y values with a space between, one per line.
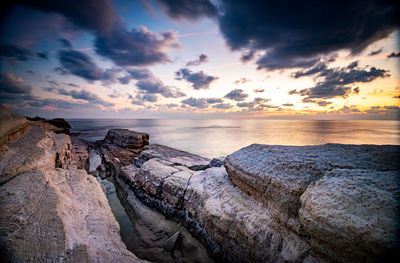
pixel 51 211
pixel 328 203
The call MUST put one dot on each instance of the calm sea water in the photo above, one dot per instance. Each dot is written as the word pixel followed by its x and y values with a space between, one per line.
pixel 219 137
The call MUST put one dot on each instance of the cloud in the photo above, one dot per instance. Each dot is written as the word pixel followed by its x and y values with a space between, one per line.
pixel 336 82
pixel 249 55
pixel 199 80
pixel 188 9
pixel 147 97
pixel 13 53
pixel 43 55
pixel 296 34
pixel 311 71
pixel 237 95
pixel 214 100
pixel 394 55
pixel 256 103
pixel 156 86
pixel 137 47
pixel 196 103
pixel 259 90
pixel 375 52
pixel 323 103
pixel 222 106
pixel 65 43
pixel 242 81
pixel 97 15
pixel 202 59
pixel 13 85
pixel 79 64
pixel 82 95
pixel 288 104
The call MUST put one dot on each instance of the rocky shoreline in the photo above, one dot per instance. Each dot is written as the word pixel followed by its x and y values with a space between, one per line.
pixel 328 203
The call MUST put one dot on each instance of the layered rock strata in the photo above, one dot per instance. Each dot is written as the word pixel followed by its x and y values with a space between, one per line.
pixel 329 203
pixel 51 211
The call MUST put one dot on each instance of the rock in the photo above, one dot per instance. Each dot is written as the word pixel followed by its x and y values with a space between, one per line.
pixel 131 140
pixel 79 153
pixel 177 157
pixel 94 161
pixel 217 162
pixel 278 175
pixel 171 242
pixel 37 118
pixel 353 215
pixel 51 212
pixel 62 125
pixel 37 148
pixel 12 126
pixel 329 203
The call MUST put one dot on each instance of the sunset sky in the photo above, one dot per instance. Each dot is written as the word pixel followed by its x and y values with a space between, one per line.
pixel 201 59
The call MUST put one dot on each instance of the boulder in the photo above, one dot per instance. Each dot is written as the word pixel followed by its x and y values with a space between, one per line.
pixel 94 161
pixel 131 140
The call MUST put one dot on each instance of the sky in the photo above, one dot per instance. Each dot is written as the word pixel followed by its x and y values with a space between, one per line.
pixel 201 59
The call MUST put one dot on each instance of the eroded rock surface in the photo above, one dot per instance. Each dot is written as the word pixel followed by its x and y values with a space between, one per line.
pixel 134 141
pixel 177 157
pixel 329 203
pixel 12 126
pixel 51 211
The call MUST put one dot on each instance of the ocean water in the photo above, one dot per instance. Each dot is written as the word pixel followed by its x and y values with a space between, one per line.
pixel 219 137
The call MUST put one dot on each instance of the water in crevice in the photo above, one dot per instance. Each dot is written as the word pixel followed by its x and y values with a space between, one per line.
pixel 149 235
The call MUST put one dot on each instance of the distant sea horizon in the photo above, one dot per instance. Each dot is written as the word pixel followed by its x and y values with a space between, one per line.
pixel 220 137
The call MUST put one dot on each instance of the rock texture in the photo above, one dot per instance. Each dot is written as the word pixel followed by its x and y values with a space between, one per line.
pixel 51 211
pixel 12 125
pixel 329 203
pixel 134 141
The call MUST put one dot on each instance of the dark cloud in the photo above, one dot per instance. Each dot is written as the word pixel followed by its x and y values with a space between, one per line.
pixel 324 103
pixel 140 73
pixel 259 90
pixel 43 55
pixel 202 59
pixel 79 64
pixel 214 100
pixel 237 95
pixel 156 86
pixel 136 47
pixel 247 56
pixel 242 81
pixel 97 15
pixel 394 55
pixel 311 71
pixel 82 95
pixel 396 97
pixel 222 106
pixel 375 52
pixel 65 43
pixel 199 80
pixel 336 82
pixel 147 97
pixel 196 103
pixel 288 104
pixel 188 9
pixel 13 52
pixel 294 34
pixel 11 84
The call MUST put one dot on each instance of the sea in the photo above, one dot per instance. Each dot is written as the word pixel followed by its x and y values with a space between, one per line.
pixel 220 137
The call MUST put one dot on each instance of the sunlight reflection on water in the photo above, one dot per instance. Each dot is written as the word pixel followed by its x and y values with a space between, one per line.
pixel 219 137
